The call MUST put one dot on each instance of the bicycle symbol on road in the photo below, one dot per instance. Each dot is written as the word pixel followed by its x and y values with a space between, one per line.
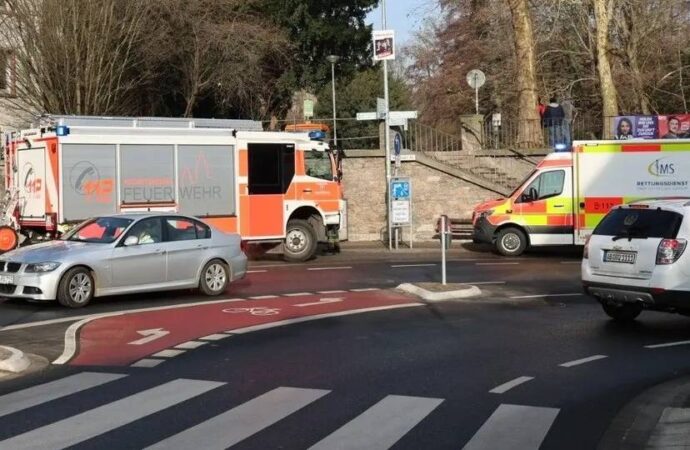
pixel 257 311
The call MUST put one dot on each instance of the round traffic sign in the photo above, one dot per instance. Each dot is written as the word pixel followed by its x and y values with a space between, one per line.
pixel 476 78
pixel 397 143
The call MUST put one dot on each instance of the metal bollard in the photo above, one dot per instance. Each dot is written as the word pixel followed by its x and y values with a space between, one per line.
pixel 443 250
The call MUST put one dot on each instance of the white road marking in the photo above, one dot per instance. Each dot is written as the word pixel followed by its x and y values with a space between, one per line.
pixel 190 345
pixel 281 323
pixel 577 362
pixel 263 297
pixel 53 390
pixel 514 426
pixel 336 291
pixel 237 424
pixel 498 264
pixel 330 268
pixel 150 335
pixel 365 290
pixel 214 337
pixel 147 363
pixel 257 271
pixel 505 387
pixel 298 294
pixel 668 344
pixel 89 424
pixel 323 301
pixel 39 323
pixel 400 266
pixel 168 353
pixel 382 425
pixel 548 295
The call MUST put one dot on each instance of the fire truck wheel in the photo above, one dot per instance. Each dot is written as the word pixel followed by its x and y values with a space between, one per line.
pixel 8 239
pixel 300 241
pixel 511 242
pixel 76 288
pixel 214 278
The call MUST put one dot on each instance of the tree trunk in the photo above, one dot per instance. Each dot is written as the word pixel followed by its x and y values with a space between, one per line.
pixel 603 10
pixel 529 123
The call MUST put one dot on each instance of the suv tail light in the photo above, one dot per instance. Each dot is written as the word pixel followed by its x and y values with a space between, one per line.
pixel 585 253
pixel 670 250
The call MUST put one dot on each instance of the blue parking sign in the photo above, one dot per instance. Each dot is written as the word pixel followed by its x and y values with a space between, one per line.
pixel 400 189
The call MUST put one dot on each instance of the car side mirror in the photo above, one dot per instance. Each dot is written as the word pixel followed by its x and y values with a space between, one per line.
pixel 131 241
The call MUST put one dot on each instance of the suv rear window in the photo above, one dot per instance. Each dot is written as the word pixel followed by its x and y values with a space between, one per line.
pixel 643 223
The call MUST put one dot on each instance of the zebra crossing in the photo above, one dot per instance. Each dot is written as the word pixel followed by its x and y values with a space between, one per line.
pixel 380 425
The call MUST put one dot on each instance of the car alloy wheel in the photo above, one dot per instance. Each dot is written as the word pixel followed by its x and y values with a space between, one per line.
pixel 215 277
pixel 80 288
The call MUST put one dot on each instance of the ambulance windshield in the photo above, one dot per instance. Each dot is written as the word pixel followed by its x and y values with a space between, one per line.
pixel 318 165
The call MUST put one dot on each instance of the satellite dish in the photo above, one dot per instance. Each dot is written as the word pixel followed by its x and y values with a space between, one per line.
pixel 476 78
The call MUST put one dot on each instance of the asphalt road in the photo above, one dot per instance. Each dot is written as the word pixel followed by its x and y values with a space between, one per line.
pixel 408 378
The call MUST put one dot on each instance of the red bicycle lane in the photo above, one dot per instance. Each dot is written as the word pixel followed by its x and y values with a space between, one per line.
pixel 124 339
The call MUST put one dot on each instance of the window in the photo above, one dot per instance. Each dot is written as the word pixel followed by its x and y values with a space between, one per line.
pixel 547 185
pixel 643 223
pixel 104 230
pixel 271 168
pixel 148 231
pixel 203 231
pixel 180 229
pixel 318 164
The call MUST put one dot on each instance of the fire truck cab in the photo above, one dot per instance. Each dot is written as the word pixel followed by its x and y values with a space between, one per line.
pixel 270 187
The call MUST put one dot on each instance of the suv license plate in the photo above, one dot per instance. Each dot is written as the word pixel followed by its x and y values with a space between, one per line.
pixel 6 279
pixel 620 257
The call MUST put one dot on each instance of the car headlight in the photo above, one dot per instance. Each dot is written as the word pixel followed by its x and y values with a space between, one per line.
pixel 42 267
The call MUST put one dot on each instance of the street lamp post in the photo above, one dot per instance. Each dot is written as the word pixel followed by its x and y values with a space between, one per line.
pixel 333 59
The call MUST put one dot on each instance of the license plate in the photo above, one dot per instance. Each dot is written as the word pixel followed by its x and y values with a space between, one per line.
pixel 6 279
pixel 620 257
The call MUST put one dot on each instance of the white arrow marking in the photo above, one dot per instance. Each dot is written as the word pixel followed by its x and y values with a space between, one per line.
pixel 150 335
pixel 323 301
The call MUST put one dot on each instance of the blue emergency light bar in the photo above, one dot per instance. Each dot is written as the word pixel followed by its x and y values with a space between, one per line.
pixel 317 135
pixel 62 130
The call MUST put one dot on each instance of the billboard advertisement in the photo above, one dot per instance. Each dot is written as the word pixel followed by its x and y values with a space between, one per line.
pixel 674 126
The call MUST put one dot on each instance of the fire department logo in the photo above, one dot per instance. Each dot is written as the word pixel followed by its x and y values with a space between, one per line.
pixel 83 177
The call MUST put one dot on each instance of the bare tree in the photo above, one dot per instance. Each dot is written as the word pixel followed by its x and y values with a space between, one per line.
pixel 218 48
pixel 76 56
pixel 529 126
pixel 603 12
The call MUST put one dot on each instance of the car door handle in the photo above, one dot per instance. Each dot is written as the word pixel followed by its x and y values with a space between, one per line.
pixel 202 247
pixel 558 206
pixel 306 190
pixel 161 251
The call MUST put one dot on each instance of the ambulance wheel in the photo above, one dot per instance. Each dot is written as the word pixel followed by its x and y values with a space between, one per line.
pixel 623 313
pixel 8 239
pixel 300 241
pixel 511 242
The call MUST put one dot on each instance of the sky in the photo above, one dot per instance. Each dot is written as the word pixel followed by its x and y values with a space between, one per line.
pixel 404 16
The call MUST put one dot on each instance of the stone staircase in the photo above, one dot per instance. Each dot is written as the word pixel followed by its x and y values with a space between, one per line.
pixel 500 171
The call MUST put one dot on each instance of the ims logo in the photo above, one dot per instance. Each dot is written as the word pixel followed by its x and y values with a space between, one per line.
pixel 662 168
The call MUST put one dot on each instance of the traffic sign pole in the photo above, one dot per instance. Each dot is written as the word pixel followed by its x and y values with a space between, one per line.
pixel 386 137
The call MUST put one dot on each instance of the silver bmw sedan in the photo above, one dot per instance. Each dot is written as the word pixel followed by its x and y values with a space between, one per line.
pixel 124 254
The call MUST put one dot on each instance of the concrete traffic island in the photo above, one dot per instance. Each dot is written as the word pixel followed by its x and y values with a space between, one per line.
pixel 436 292
pixel 14 362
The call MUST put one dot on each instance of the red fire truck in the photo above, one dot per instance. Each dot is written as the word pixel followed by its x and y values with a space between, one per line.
pixel 270 187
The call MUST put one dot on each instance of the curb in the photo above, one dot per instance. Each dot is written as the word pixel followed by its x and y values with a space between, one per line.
pixel 469 291
pixel 13 360
pixel 635 424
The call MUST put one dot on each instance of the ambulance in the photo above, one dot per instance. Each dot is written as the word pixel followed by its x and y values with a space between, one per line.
pixel 568 194
pixel 270 187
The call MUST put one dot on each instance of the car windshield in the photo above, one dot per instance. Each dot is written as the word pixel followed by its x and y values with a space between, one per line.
pixel 318 165
pixel 102 230
pixel 521 184
pixel 640 223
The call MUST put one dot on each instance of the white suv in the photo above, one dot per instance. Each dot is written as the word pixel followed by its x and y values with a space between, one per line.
pixel 635 259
